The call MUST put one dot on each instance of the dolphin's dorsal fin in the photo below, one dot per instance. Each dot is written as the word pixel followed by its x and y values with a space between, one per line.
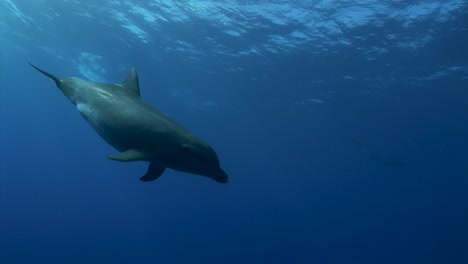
pixel 131 83
pixel 129 155
pixel 155 170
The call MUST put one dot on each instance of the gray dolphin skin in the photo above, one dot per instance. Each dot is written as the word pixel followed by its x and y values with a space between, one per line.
pixel 138 131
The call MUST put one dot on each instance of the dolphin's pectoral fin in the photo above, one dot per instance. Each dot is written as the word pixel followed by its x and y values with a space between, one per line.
pixel 129 155
pixel 154 171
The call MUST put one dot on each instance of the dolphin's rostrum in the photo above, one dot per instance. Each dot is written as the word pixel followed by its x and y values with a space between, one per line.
pixel 138 131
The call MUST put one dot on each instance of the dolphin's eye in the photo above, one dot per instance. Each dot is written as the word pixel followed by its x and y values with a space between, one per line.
pixel 190 150
pixel 187 149
pixel 193 152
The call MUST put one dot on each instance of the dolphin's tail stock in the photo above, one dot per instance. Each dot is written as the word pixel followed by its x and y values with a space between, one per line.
pixel 53 77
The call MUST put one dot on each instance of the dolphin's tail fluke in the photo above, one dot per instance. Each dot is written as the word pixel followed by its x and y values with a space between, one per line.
pixel 53 77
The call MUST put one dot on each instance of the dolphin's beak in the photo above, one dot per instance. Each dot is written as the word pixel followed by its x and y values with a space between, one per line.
pixel 220 176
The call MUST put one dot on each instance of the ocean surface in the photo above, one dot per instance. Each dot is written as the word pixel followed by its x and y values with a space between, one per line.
pixel 343 127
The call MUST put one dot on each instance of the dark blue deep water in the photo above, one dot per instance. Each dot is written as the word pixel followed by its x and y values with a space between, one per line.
pixel 343 126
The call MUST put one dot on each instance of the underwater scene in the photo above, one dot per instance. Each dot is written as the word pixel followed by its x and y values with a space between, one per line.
pixel 229 131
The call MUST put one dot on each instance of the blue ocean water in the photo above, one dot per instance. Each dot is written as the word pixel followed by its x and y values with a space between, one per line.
pixel 343 126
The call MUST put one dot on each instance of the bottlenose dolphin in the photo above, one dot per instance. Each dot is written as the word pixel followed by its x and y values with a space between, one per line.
pixel 138 131
pixel 373 155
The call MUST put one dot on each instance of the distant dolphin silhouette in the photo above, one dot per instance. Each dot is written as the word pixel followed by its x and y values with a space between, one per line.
pixel 138 131
pixel 376 156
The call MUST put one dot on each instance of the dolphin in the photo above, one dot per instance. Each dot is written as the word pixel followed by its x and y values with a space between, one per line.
pixel 138 131
pixel 373 155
